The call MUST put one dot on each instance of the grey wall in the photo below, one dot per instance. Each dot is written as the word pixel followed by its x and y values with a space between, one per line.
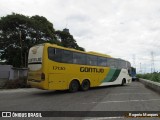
pixel 8 72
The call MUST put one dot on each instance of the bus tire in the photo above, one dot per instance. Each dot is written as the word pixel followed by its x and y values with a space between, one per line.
pixel 85 85
pixel 123 82
pixel 73 86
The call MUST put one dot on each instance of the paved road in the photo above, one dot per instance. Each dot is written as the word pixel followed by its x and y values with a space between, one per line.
pixel 133 97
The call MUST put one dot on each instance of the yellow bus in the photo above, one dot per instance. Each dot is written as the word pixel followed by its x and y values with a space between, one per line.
pixel 53 67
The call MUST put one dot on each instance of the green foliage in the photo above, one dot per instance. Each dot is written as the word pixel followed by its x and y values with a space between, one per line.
pixel 67 40
pixel 18 31
pixel 150 76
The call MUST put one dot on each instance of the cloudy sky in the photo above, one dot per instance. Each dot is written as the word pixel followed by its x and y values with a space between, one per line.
pixel 127 29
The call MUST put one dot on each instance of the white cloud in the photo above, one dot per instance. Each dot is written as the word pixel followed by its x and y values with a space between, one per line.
pixel 121 28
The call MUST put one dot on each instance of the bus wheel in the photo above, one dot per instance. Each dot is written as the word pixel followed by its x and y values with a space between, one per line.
pixel 123 82
pixel 85 85
pixel 74 86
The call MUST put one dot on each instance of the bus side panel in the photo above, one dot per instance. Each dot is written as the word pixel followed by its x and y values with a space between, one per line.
pixel 58 81
pixel 115 77
pixel 60 75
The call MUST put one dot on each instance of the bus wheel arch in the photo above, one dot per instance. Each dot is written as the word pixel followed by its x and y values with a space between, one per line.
pixel 85 85
pixel 74 85
pixel 123 81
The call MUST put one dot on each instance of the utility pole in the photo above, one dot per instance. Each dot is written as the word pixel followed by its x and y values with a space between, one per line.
pixel 152 63
pixel 134 60
pixel 20 35
pixel 140 69
pixel 144 68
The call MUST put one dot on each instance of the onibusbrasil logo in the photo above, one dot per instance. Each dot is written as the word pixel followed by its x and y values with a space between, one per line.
pixel 21 114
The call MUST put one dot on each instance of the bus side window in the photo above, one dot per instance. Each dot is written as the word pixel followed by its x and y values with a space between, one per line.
pixel 123 64
pixel 55 54
pixel 119 64
pixel 102 61
pixel 115 63
pixel 79 58
pixel 111 62
pixel 128 65
pixel 51 52
pixel 67 56
pixel 91 60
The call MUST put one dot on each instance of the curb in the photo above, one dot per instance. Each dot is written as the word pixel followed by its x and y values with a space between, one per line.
pixel 153 85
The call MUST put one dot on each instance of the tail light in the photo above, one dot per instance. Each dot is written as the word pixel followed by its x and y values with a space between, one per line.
pixel 42 76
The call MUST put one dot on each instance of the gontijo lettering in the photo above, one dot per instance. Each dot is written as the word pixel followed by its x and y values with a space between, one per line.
pixel 92 70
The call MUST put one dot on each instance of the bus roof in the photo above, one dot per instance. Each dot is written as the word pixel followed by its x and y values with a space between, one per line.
pixel 99 54
pixel 71 49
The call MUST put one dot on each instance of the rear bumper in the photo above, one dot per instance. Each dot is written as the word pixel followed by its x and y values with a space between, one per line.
pixel 37 84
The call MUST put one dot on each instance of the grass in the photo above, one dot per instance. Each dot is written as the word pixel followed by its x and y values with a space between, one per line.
pixel 150 76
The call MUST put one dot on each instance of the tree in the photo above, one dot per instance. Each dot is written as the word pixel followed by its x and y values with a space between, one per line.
pixel 19 31
pixel 67 40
